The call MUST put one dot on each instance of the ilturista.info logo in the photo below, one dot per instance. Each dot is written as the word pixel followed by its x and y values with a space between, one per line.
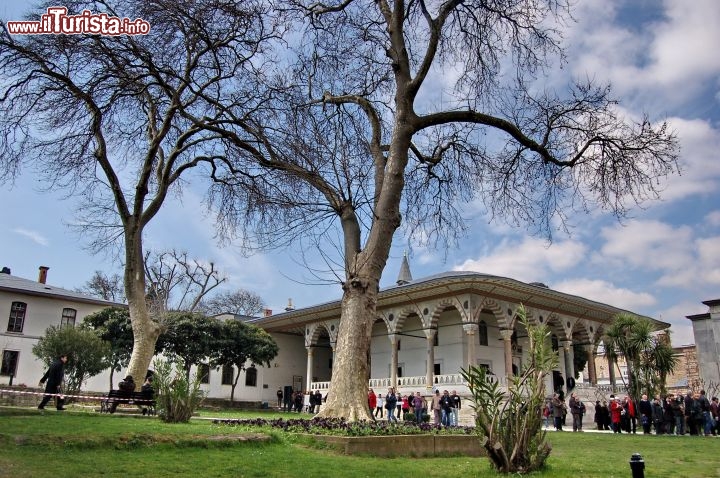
pixel 57 22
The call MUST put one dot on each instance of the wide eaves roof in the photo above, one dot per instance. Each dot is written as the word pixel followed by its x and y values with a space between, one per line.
pixel 21 286
pixel 452 284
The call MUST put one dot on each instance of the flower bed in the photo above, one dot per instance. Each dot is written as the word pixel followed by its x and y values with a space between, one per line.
pixel 376 438
pixel 340 427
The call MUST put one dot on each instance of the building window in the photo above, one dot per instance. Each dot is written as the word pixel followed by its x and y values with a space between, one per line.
pixel 68 317
pixel 482 333
pixel 436 341
pixel 251 377
pixel 437 369
pixel 204 373
pixel 228 374
pixel 17 317
pixel 9 362
pixel 398 344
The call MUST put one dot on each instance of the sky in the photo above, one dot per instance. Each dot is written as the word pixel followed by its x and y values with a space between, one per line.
pixel 663 260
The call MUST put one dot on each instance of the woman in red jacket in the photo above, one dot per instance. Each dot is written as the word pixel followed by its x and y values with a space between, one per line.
pixel 372 401
pixel 616 411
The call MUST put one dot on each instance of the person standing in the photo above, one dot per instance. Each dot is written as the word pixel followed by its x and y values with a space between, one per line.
pixel 707 416
pixel 616 411
pixel 558 411
pixel 53 379
pixel 715 415
pixel 578 410
pixel 372 401
pixel 605 411
pixel 678 409
pixel 646 413
pixel 279 395
pixel 455 398
pixel 390 404
pixel 418 406
pixel 406 403
pixel 318 400
pixel 436 407
pixel 379 407
pixel 658 415
pixel 446 408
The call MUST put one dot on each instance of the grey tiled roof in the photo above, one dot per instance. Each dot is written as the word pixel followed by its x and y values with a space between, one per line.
pixel 19 285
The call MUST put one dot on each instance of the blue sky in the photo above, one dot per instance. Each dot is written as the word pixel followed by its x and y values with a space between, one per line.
pixel 663 260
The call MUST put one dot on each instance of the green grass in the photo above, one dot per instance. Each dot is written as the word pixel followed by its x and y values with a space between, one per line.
pixel 89 444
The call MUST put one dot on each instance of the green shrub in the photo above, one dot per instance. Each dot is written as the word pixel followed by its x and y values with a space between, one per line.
pixel 177 395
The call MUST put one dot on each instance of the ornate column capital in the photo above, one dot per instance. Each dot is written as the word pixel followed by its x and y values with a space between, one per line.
pixel 506 334
pixel 470 328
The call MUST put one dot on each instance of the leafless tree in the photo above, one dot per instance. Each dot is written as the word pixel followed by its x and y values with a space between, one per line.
pixel 120 121
pixel 177 282
pixel 239 302
pixel 397 113
pixel 107 287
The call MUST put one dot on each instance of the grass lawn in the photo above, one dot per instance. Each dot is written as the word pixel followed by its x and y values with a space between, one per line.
pixel 51 444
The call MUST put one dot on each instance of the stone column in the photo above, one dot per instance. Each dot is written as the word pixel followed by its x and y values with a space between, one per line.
pixel 430 372
pixel 591 364
pixel 470 331
pixel 393 360
pixel 308 381
pixel 506 335
pixel 567 353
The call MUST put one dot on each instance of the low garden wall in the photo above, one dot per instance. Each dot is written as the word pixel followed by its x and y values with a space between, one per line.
pixel 405 445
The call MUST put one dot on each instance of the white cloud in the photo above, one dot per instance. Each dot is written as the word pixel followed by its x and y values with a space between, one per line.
pixel 680 44
pixel 603 291
pixel 529 260
pixel 699 143
pixel 668 60
pixel 648 244
pixel 34 236
pixel 713 218
pixel 682 259
pixel 680 326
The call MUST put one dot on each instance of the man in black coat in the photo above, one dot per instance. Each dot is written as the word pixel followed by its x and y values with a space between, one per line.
pixel 53 379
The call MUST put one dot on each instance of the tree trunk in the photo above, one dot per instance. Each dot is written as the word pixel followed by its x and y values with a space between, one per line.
pixel 347 397
pixel 145 330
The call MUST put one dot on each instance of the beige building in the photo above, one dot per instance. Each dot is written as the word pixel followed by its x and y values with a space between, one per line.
pixel 30 307
pixel 428 329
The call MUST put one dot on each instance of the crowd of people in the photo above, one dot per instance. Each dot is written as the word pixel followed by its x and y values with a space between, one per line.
pixel 445 408
pixel 295 401
pixel 692 414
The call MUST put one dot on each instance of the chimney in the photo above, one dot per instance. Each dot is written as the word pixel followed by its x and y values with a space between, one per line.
pixel 42 274
pixel 5 270
pixel 267 312
pixel 289 307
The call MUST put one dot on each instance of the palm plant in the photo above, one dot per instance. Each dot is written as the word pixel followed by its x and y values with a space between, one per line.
pixel 510 424
pixel 648 358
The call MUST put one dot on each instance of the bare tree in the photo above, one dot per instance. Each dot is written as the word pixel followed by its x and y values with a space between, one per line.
pixel 399 112
pixel 118 121
pixel 239 302
pixel 177 282
pixel 107 287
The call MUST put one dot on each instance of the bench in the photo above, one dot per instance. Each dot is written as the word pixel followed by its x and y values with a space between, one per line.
pixel 118 397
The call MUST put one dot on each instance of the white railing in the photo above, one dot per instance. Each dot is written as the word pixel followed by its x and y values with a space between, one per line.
pixel 441 381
